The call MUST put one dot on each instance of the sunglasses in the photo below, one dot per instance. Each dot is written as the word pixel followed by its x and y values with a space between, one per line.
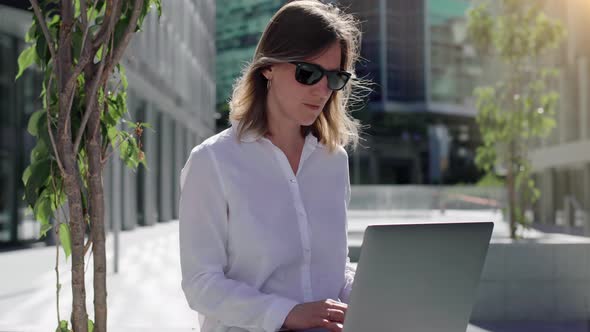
pixel 310 74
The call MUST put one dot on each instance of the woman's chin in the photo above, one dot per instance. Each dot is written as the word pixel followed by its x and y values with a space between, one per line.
pixel 307 123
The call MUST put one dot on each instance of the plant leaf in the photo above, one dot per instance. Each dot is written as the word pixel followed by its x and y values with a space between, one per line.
pixel 44 229
pixel 26 59
pixel 33 125
pixel 65 239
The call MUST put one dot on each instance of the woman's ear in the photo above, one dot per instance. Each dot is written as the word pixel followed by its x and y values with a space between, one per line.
pixel 267 73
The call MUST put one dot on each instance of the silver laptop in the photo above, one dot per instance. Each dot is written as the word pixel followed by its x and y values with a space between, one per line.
pixel 417 277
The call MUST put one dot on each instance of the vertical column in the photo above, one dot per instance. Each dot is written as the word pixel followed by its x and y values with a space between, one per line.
pixel 383 42
pixel 562 108
pixel 427 52
pixel 586 197
pixel 195 140
pixel 108 195
pixel 357 166
pixel 180 159
pixel 188 140
pixel 166 162
pixel 560 191
pixel 138 114
pixel 551 196
pixel 417 168
pixel 583 87
pixel 116 197
pixel 129 180
pixel 547 193
pixel 127 189
pixel 374 167
pixel 150 175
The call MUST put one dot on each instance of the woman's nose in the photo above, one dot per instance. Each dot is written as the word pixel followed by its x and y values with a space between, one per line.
pixel 321 88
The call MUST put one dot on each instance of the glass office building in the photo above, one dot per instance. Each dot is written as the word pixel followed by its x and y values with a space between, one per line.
pixel 239 26
pixel 421 110
pixel 453 67
pixel 18 100
pixel 171 72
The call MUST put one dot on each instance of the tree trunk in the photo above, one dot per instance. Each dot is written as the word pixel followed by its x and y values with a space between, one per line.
pixel 68 156
pixel 79 317
pixel 96 204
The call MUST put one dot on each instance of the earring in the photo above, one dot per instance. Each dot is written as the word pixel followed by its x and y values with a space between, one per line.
pixel 268 84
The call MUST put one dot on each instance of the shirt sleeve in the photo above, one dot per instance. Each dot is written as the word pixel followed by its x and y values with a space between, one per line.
pixel 349 273
pixel 203 255
pixel 349 270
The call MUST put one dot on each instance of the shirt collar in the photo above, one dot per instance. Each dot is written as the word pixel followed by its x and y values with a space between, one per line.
pixel 249 137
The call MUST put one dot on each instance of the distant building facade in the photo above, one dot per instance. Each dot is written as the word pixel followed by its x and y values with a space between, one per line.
pixel 239 26
pixel 422 108
pixel 562 161
pixel 171 72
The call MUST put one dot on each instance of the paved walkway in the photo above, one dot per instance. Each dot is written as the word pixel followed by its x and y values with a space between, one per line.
pixel 146 295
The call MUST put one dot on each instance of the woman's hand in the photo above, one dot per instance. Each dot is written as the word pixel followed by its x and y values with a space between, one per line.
pixel 328 314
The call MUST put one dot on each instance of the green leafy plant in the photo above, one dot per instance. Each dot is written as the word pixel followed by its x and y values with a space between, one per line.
pixel 520 107
pixel 78 44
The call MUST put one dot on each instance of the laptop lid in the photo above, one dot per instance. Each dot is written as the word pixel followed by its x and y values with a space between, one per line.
pixel 417 277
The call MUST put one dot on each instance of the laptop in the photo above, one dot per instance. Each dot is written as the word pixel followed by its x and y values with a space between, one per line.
pixel 418 277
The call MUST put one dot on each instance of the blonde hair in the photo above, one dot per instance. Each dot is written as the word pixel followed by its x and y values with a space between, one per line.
pixel 298 30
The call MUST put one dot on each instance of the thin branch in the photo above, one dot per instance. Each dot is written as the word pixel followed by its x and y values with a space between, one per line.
pixel 103 161
pixel 83 13
pixel 118 53
pixel 57 286
pixel 89 106
pixel 87 55
pixel 87 27
pixel 103 33
pixel 70 101
pixel 87 246
pixel 64 64
pixel 112 15
pixel 104 89
pixel 104 150
pixel 98 78
pixel 41 19
pixel 105 142
pixel 48 107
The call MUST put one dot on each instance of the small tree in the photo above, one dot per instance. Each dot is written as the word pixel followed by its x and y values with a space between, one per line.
pixel 520 107
pixel 78 45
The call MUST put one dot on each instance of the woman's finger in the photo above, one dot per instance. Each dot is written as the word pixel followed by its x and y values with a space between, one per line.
pixel 334 327
pixel 338 305
pixel 336 315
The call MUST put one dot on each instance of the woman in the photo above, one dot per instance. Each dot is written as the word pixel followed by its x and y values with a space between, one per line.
pixel 263 234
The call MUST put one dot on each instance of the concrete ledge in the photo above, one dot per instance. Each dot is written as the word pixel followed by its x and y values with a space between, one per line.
pixel 546 279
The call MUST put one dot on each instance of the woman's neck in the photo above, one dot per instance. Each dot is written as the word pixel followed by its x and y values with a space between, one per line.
pixel 283 132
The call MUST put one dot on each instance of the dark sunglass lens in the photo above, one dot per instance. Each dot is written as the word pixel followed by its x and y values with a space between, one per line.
pixel 337 81
pixel 307 74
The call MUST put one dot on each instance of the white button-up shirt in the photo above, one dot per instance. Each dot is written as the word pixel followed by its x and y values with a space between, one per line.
pixel 257 239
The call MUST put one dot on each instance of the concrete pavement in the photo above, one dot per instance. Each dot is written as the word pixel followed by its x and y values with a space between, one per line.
pixel 146 295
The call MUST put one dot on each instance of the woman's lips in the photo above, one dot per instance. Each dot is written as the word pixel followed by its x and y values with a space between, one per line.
pixel 313 107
